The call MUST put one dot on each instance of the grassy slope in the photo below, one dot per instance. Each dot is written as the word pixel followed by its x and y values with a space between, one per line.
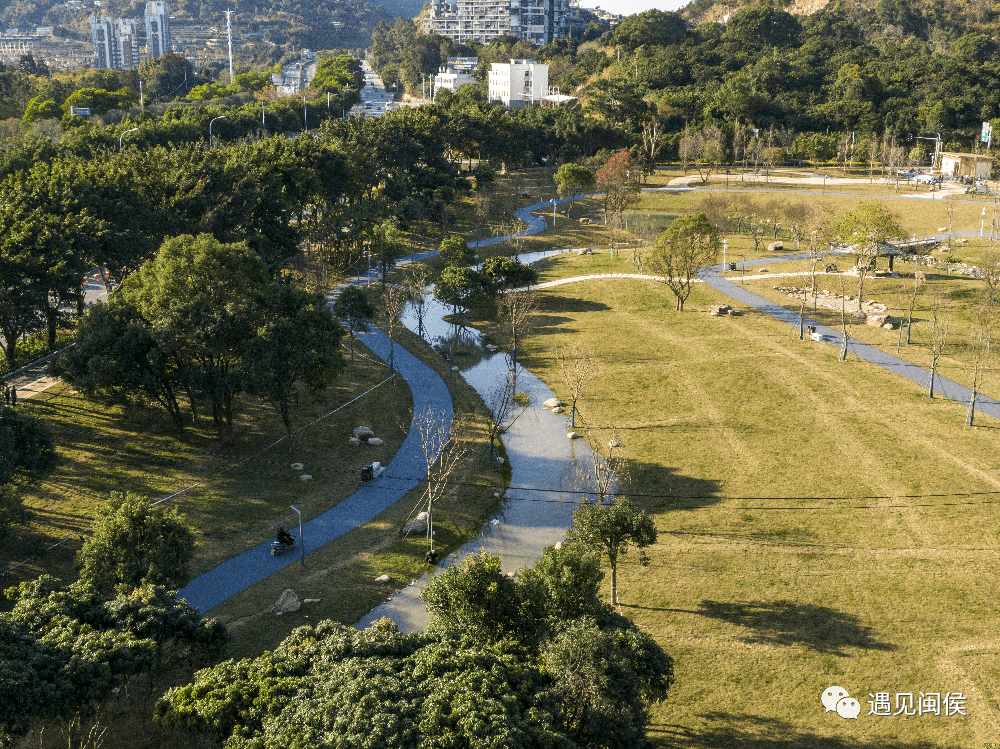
pixel 794 559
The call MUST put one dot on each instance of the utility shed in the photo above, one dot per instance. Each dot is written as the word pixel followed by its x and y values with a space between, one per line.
pixel 975 165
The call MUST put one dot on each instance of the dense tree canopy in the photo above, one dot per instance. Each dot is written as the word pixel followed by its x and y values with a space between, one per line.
pixel 63 649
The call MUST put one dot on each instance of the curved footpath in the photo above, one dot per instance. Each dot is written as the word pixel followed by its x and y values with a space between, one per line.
pixel 236 574
pixel 429 391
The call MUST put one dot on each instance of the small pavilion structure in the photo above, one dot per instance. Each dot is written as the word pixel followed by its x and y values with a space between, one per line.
pixel 975 165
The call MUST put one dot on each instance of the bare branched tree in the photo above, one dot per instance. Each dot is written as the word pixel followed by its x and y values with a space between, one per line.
pixel 515 310
pixel 417 278
pixel 918 279
pixel 939 339
pixel 980 345
pixel 504 407
pixel 444 442
pixel 604 477
pixel 393 302
pixel 989 272
pixel 578 368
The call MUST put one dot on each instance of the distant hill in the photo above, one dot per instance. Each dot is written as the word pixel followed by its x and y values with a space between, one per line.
pixel 402 8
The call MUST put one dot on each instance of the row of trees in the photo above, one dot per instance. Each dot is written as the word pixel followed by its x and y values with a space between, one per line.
pixel 208 321
pixel 536 659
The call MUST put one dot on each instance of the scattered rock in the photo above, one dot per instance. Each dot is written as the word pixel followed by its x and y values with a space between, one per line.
pixel 558 545
pixel 383 579
pixel 287 602
pixel 552 403
pixel 419 523
pixel 584 221
pixel 612 443
pixel 859 316
pixel 494 521
pixel 500 460
pixel 491 348
pixel 363 432
pixel 374 441
pixel 297 466
pixel 880 321
pixel 920 277
pixel 717 310
pixel 571 435
pixel 354 442
pixel 775 246
pixel 557 410
pixel 496 495
pixel 306 477
pixel 311 600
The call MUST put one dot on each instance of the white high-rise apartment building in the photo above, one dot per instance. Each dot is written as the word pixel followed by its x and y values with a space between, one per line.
pixel 519 83
pixel 118 44
pixel 157 28
pixel 128 43
pixel 102 33
pixel 536 21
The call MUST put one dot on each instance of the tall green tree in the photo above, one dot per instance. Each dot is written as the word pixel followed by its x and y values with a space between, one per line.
pixel 613 529
pixel 867 230
pixel 65 649
pixel 573 180
pixel 204 301
pixel 681 252
pixel 135 544
pixel 296 342
pixel 356 312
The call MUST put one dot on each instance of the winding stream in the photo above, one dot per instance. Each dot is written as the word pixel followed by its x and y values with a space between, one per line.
pixel 538 506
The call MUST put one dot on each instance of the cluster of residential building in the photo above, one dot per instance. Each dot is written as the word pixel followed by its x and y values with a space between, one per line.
pixel 124 42
pixel 515 84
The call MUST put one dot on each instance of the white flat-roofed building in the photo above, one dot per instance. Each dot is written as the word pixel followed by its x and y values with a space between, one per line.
pixel 456 73
pixel 519 83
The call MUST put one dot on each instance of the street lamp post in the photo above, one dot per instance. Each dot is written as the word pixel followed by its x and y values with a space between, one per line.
pixel 369 256
pixel 302 541
pixel 221 117
pixel 982 222
pixel 725 246
pixel 121 145
pixel 743 269
pixel 553 213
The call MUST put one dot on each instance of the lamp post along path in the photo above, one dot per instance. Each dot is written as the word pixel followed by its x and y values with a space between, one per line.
pixel 212 122
pixel 302 541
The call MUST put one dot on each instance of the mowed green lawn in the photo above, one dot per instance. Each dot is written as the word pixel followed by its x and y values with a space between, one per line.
pixel 820 523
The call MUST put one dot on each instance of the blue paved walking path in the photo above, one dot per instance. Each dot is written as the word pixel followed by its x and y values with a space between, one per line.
pixel 943 387
pixel 429 391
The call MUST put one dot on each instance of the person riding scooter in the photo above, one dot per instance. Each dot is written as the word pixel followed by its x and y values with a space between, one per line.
pixel 284 537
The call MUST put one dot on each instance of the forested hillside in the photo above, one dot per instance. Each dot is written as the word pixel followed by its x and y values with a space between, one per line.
pixel 896 70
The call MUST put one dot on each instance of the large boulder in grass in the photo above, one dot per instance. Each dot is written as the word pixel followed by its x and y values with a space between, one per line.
pixel 374 441
pixel 552 403
pixel 363 432
pixel 879 320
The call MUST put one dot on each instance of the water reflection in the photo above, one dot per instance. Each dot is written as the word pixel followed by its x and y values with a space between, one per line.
pixel 543 490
